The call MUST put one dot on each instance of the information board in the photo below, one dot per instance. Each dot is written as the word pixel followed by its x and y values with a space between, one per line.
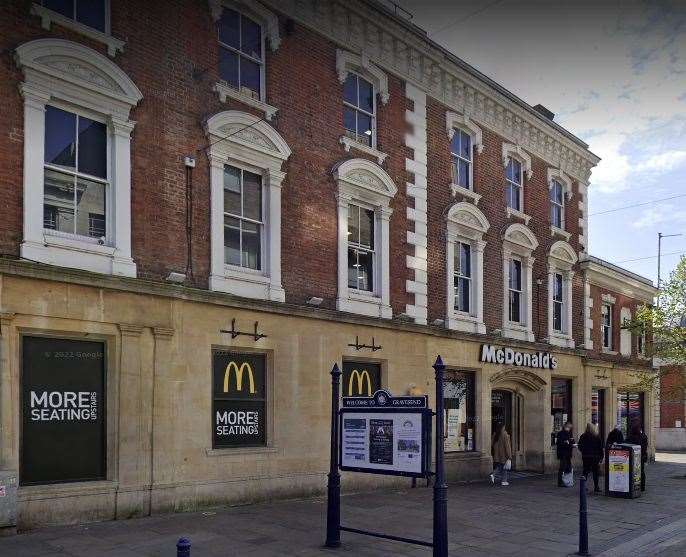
pixel 618 470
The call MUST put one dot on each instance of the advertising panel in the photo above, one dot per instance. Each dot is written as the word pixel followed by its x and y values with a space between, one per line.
pixel 618 470
pixel 63 411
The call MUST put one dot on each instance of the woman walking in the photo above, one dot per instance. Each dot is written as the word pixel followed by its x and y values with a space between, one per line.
pixel 501 449
pixel 591 447
pixel 565 446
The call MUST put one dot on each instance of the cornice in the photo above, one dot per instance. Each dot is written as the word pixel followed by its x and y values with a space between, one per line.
pixel 611 279
pixel 356 26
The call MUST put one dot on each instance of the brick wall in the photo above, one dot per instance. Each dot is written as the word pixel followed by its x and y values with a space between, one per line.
pixel 672 397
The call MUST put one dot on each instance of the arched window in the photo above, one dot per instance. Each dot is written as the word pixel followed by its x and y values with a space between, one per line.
pixel 519 244
pixel 561 260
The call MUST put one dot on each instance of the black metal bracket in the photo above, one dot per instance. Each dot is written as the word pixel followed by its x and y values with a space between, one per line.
pixel 234 333
pixel 373 346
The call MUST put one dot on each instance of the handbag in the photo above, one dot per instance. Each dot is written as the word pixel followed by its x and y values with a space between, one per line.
pixel 568 479
pixel 508 464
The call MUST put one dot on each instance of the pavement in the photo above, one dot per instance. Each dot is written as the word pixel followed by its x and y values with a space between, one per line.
pixel 531 517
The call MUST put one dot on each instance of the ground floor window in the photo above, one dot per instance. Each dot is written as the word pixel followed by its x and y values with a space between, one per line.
pixel 630 411
pixel 460 422
pixel 63 411
pixel 560 405
pixel 239 406
pixel 598 410
pixel 361 378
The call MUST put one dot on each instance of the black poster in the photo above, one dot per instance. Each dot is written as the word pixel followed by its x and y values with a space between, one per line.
pixel 63 411
pixel 381 441
pixel 239 399
pixel 361 378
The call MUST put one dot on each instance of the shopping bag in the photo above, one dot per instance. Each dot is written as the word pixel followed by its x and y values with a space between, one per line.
pixel 568 479
pixel 508 464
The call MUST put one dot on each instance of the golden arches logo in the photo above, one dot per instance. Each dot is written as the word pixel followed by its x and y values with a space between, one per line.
pixel 245 367
pixel 360 377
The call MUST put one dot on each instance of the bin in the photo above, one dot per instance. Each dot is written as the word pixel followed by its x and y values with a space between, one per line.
pixel 623 471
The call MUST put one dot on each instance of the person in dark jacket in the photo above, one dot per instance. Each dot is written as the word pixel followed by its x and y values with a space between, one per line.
pixel 615 436
pixel 637 437
pixel 591 447
pixel 565 446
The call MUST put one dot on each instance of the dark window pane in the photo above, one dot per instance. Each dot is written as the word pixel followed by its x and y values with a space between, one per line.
pixel 557 316
pixel 50 217
pixel 60 137
pixel 64 7
pixel 463 174
pixel 352 268
pixel 366 95
pixel 353 224
pixel 96 225
pixel 250 234
pixel 58 200
pixel 90 199
pixel 252 196
pixel 229 31
pixel 514 307
pixel 349 121
pixel 92 147
pixel 463 295
pixel 466 260
pixel 516 171
pixel 350 89
pixel 465 145
pixel 228 66
pixel 232 190
pixel 367 228
pixel 364 128
pixel 515 274
pixel 91 13
pixel 250 75
pixel 251 37
pixel 365 271
pixel 232 241
pixel 556 216
pixel 558 288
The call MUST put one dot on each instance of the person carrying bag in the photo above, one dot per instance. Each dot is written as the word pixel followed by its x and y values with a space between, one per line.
pixel 565 446
pixel 501 449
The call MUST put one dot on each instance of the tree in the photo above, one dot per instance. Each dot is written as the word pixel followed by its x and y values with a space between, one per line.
pixel 664 325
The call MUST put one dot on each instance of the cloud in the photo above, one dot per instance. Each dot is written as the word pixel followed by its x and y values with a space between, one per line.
pixel 664 162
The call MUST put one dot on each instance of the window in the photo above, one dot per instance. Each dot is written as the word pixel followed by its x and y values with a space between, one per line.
pixel 630 411
pixel 558 302
pixel 560 405
pixel 239 399
pixel 557 204
pixel 463 277
pixel 606 326
pixel 598 409
pixel 88 12
pixel 243 220
pixel 359 109
pixel 460 422
pixel 515 299
pixel 641 343
pixel 241 56
pixel 360 378
pixel 75 175
pixel 461 153
pixel 360 248
pixel 513 188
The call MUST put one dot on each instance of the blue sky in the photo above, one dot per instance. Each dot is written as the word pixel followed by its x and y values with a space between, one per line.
pixel 614 73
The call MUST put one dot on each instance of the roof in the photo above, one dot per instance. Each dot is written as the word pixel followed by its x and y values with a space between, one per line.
pixel 617 279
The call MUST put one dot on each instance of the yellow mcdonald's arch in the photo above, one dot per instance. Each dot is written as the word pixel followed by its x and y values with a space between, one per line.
pixel 360 376
pixel 245 366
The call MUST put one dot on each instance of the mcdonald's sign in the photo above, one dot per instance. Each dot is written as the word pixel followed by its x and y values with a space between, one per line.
pixel 239 371
pixel 361 378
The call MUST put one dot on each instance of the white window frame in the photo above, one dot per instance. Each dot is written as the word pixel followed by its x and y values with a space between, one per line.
pixel 462 276
pixel 510 151
pixel 362 182
pixel 556 175
pixel 561 261
pixel 510 290
pixel 466 224
pixel 244 141
pixel 520 243
pixel 75 78
pixel 453 122
pixel 373 251
pixel 558 277
pixel 607 309
pixel 269 23
pixel 625 340
pixel 373 114
pixel 554 204
pixel 49 17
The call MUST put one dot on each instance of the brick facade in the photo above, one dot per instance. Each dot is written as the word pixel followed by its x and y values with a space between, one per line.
pixel 672 407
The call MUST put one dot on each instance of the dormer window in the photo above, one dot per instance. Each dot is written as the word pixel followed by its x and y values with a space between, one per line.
pixel 241 53
pixel 513 186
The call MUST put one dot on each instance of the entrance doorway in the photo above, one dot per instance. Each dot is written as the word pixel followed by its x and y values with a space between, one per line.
pixel 501 410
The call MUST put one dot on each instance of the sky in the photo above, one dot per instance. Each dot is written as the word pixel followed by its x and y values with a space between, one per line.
pixel 614 74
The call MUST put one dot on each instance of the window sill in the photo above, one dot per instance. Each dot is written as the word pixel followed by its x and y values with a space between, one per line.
pixel 361 304
pixel 238 451
pixel 247 284
pixel 515 213
pixel 609 352
pixel 66 489
pixel 349 143
pixel 520 332
pixel 464 192
pixel 561 339
pixel 555 231
pixel 466 323
pixel 48 17
pixel 225 92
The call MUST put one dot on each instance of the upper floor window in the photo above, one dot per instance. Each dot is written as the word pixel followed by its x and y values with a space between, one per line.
pixel 561 261
pixel 360 248
pixel 92 13
pixel 641 343
pixel 606 327
pixel 463 277
pixel 461 153
pixel 243 220
pixel 557 204
pixel 558 303
pixel 515 287
pixel 513 187
pixel 359 109
pixel 241 53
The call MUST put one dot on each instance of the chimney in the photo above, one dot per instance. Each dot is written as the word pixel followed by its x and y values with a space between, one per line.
pixel 543 110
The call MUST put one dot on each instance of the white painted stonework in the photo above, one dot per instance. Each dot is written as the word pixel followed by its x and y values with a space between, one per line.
pixel 519 241
pixel 561 260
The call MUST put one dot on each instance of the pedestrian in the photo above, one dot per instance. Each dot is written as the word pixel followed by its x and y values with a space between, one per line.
pixel 637 437
pixel 501 449
pixel 615 436
pixel 591 447
pixel 565 445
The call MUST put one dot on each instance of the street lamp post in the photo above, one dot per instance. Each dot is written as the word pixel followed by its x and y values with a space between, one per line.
pixel 660 235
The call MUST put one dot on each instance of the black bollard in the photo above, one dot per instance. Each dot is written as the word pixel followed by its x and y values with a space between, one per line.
pixel 440 537
pixel 183 547
pixel 583 519
pixel 333 500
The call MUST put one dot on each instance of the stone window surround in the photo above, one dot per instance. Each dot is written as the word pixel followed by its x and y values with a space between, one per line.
pixel 49 17
pixel 360 181
pixel 68 75
pixel 454 121
pixel 609 300
pixel 561 260
pixel 625 336
pixel 256 147
pixel 516 152
pixel 519 242
pixel 567 194
pixel 466 224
